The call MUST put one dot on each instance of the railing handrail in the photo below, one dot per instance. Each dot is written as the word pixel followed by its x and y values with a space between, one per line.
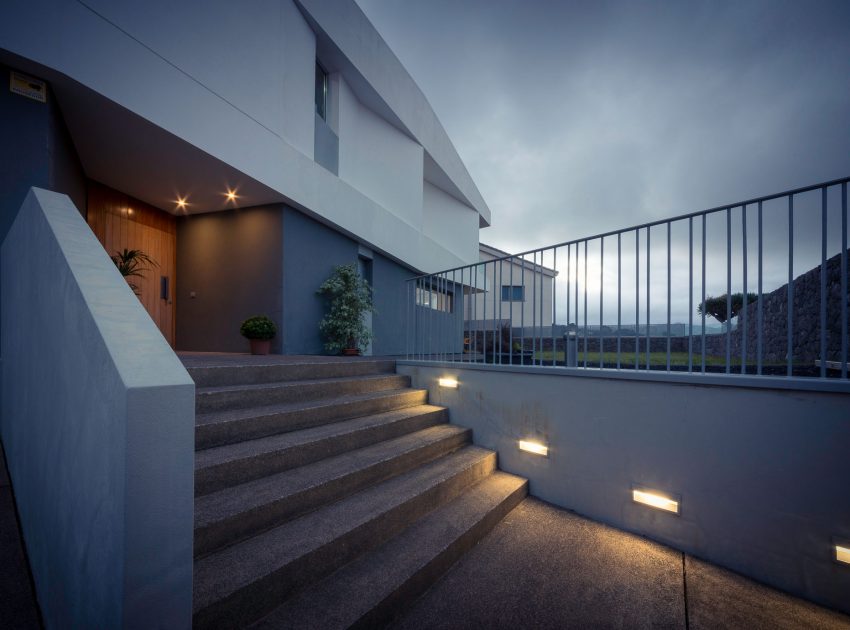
pixel 649 224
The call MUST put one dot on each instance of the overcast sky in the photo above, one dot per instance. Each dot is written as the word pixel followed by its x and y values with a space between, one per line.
pixel 574 118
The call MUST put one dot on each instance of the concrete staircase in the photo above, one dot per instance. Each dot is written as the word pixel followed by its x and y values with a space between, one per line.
pixel 330 494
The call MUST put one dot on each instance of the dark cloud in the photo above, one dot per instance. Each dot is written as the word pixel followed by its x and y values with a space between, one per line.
pixel 579 117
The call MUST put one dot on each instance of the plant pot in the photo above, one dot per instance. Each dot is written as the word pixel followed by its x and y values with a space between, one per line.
pixel 260 346
pixel 350 352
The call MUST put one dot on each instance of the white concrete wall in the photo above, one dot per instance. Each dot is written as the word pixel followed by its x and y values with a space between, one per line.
pixel 762 472
pixel 260 57
pixel 377 159
pixel 450 222
pixel 98 428
pixel 527 313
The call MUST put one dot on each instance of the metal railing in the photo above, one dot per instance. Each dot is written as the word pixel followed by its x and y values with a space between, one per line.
pixel 565 304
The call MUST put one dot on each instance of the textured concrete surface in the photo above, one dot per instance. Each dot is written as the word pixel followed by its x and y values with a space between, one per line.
pixel 543 567
pixel 18 608
pixel 221 359
pixel 721 599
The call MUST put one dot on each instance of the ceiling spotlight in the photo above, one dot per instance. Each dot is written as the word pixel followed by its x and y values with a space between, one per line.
pixel 231 195
pixel 181 202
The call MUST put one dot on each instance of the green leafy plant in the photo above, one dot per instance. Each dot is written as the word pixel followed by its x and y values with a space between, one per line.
pixel 716 306
pixel 132 263
pixel 349 297
pixel 258 327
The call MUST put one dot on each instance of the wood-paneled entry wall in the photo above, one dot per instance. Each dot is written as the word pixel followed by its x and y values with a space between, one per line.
pixel 121 222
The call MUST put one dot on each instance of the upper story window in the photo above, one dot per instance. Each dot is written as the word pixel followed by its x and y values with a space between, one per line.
pixel 321 91
pixel 435 298
pixel 513 293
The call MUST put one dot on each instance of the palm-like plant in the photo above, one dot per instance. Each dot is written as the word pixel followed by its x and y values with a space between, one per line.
pixel 132 263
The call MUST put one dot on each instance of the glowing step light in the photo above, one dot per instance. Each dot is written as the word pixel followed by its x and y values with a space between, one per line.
pixel 451 383
pixel 842 553
pixel 653 499
pixel 534 447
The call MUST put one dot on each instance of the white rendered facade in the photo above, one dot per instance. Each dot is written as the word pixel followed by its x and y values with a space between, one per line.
pixel 172 100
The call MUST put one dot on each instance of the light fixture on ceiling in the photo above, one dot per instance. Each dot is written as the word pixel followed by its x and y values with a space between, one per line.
pixel 231 194
pixel 181 203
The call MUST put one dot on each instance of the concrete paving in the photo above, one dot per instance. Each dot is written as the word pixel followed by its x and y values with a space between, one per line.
pixel 18 608
pixel 543 567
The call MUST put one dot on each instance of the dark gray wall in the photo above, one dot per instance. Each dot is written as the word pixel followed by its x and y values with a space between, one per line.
pixel 391 300
pixel 232 261
pixel 311 250
pixel 36 150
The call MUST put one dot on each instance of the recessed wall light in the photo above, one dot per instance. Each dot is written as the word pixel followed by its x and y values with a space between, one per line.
pixel 842 553
pixel 451 383
pixel 656 500
pixel 534 447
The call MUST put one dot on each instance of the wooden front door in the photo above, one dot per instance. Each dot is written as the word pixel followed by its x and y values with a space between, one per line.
pixel 121 222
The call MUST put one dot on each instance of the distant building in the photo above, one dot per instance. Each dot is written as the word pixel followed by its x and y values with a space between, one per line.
pixel 514 290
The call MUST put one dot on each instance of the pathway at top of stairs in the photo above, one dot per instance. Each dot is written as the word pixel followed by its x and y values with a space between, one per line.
pixel 328 493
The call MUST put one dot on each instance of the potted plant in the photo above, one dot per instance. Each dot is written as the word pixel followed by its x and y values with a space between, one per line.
pixel 132 263
pixel 259 330
pixel 349 299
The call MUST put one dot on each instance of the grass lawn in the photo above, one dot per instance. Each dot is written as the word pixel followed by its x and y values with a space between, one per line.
pixel 655 358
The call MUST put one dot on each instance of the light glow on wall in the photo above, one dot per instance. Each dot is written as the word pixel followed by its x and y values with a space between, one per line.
pixel 451 383
pixel 842 554
pixel 534 447
pixel 653 499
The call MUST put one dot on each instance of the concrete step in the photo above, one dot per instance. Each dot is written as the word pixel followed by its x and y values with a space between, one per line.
pixel 233 514
pixel 244 582
pixel 225 466
pixel 226 427
pixel 210 399
pixel 249 374
pixel 373 589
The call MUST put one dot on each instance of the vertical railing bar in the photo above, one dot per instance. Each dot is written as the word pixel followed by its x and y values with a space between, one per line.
pixel 845 333
pixel 601 294
pixel 648 297
pixel 501 315
pixel 497 322
pixel 790 342
pixel 554 300
pixel 668 294
pixel 637 298
pixel 540 345
pixel 533 326
pixel 511 307
pixel 728 289
pixel 474 356
pixel 569 311
pixel 759 305
pixel 823 218
pixel 702 303
pixel 407 321
pixel 577 245
pixel 690 294
pixel 743 320
pixel 440 317
pixel 454 312
pixel 484 314
pixel 584 361
pixel 522 315
pixel 619 298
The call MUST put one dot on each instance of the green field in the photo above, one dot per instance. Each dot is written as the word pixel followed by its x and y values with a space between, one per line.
pixel 655 358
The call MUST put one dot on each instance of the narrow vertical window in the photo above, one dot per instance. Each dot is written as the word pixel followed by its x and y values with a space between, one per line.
pixel 321 91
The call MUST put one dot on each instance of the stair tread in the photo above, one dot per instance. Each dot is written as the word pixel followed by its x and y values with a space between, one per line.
pixel 250 448
pixel 345 596
pixel 228 570
pixel 234 415
pixel 297 384
pixel 254 494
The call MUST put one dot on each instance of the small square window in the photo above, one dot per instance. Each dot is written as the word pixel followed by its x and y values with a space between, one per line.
pixel 513 293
